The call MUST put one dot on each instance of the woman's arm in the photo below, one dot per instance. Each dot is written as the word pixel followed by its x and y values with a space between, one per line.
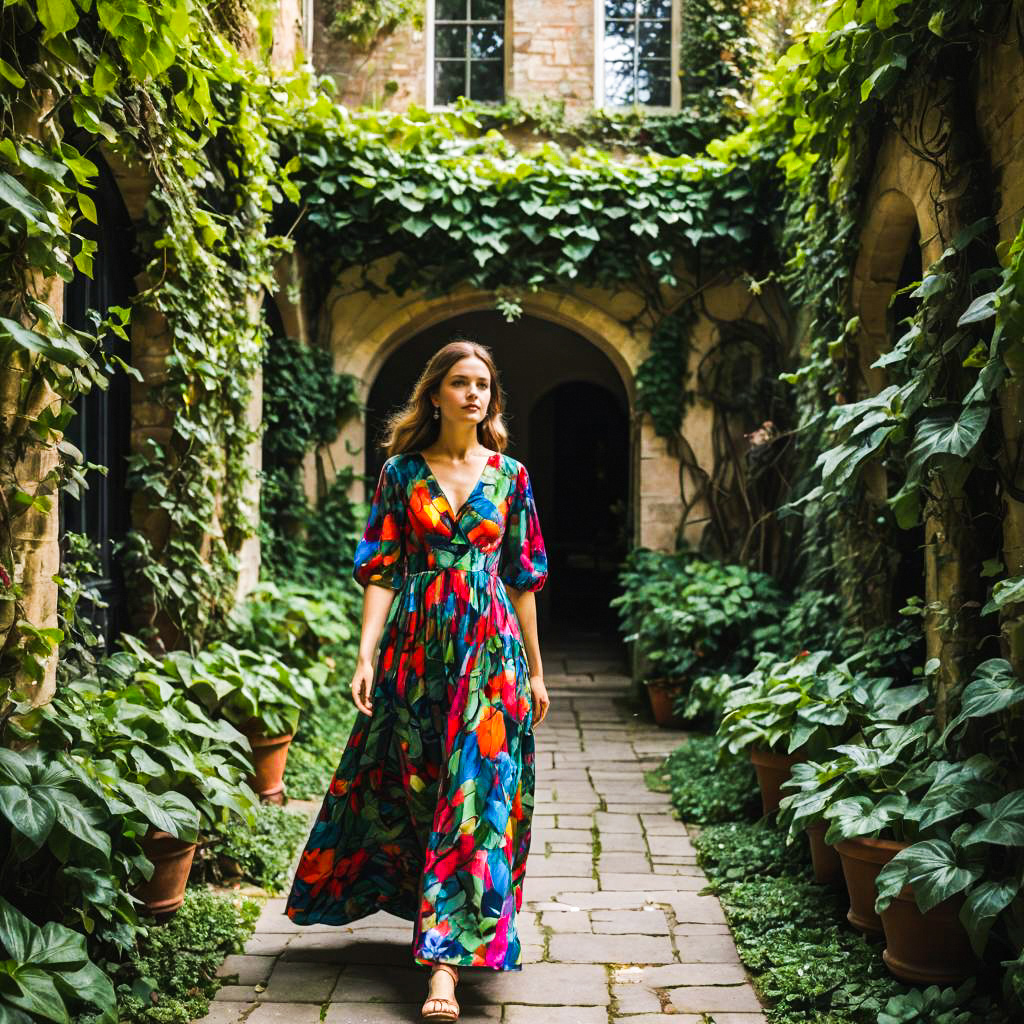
pixel 377 601
pixel 525 604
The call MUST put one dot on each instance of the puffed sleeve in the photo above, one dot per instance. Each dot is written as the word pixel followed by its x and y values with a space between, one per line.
pixel 524 562
pixel 378 557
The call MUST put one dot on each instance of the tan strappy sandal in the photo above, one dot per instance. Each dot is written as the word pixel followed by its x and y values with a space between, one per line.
pixel 438 1008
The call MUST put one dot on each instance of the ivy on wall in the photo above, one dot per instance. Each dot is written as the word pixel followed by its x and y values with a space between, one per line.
pixel 362 22
pixel 159 87
pixel 304 404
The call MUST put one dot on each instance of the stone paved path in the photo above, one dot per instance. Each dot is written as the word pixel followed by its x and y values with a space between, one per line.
pixel 614 927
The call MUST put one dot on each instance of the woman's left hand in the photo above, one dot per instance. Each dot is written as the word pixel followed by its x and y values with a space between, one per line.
pixel 541 702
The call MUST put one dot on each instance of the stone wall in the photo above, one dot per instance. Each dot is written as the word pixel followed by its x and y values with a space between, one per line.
pixel 550 47
pixel 391 74
pixel 553 51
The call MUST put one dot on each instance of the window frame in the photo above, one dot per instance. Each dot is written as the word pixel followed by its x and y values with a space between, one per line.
pixel 431 22
pixel 675 86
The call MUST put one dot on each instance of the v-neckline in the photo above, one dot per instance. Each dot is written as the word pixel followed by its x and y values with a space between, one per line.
pixel 437 483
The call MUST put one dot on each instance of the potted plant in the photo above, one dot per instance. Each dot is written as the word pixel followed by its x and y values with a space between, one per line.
pixel 941 896
pixel 689 617
pixel 156 758
pixel 789 711
pixel 258 694
pixel 871 705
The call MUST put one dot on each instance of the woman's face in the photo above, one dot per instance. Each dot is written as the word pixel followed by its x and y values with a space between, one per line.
pixel 465 392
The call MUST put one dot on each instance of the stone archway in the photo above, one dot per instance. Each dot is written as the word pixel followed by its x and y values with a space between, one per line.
pixel 890 258
pixel 364 331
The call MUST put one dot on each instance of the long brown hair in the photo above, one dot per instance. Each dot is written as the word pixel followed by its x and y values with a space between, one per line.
pixel 413 427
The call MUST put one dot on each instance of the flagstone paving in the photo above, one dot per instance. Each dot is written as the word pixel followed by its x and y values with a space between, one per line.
pixel 613 923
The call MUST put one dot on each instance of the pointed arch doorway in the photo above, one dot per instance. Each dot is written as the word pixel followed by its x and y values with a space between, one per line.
pixel 569 418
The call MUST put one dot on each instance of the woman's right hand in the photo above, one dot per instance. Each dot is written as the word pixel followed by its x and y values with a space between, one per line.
pixel 362 686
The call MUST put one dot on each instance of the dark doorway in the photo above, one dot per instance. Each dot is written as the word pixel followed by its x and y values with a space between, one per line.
pixel 101 427
pixel 568 415
pixel 579 454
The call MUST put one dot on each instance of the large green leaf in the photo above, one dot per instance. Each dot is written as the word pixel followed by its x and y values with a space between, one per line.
pixel 934 869
pixel 14 767
pixel 16 932
pixel 81 824
pixel 37 994
pixel 1005 592
pixel 954 431
pixel 90 984
pixel 863 816
pixel 30 810
pixel 957 787
pixel 994 688
pixel 1003 823
pixel 57 16
pixel 983 905
pixel 64 350
pixel 170 812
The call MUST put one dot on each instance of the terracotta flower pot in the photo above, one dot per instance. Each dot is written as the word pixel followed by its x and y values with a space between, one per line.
pixel 927 949
pixel 862 859
pixel 772 771
pixel 269 754
pixel 662 695
pixel 828 868
pixel 164 893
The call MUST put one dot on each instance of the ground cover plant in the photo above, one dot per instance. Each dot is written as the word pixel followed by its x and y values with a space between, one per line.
pixel 171 975
pixel 704 791
pixel 260 853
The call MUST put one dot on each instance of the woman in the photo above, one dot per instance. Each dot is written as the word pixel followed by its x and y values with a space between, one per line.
pixel 428 815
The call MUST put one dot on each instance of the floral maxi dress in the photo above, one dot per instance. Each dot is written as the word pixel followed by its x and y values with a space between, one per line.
pixel 428 815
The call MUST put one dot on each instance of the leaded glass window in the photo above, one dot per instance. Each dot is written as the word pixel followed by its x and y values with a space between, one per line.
pixel 469 50
pixel 638 53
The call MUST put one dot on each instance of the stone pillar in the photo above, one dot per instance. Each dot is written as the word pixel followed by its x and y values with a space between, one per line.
pixel 657 492
pixel 34 531
pixel 287 29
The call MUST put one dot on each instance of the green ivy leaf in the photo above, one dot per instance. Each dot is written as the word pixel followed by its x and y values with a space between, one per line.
pixel 11 74
pixel 56 16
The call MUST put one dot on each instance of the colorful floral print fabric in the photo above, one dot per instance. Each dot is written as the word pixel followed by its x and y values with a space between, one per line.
pixel 428 815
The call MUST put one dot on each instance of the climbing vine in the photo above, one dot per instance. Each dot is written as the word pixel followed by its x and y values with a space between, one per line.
pixel 305 404
pixel 363 21
pixel 156 85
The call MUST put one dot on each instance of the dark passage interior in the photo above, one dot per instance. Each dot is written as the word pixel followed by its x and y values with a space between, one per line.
pixel 568 416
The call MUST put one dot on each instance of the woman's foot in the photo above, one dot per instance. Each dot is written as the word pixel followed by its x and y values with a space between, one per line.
pixel 440 1004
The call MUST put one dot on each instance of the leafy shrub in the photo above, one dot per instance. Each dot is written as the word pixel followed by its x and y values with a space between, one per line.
pixel 172 976
pixel 67 854
pixel 240 685
pixel 808 703
pixel 147 746
pixel 262 852
pixel 688 614
pixel 705 790
pixel 309 628
pixel 737 851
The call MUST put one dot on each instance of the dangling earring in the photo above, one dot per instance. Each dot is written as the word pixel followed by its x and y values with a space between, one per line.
pixel 437 413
